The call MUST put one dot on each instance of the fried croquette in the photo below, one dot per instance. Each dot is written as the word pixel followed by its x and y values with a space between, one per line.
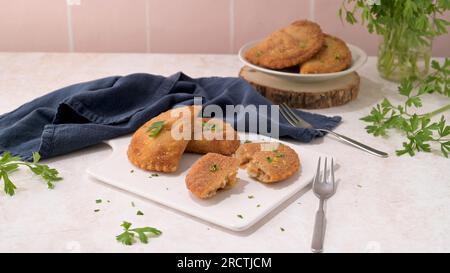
pixel 216 136
pixel 211 173
pixel 288 46
pixel 268 162
pixel 335 56
pixel 154 148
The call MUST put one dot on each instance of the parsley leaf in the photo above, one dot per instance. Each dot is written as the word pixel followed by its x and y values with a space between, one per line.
pixel 127 237
pixel 154 129
pixel 142 233
pixel 8 184
pixel 209 126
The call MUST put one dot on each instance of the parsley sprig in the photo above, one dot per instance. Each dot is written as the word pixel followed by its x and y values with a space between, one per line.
pixel 9 164
pixel 127 237
pixel 419 129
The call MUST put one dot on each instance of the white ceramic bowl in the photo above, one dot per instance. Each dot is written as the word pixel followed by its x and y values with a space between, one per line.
pixel 359 57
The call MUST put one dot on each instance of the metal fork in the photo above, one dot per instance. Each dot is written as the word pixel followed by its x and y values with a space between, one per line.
pixel 323 188
pixel 297 121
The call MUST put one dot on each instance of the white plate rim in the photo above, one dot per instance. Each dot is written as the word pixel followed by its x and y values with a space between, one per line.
pixel 360 61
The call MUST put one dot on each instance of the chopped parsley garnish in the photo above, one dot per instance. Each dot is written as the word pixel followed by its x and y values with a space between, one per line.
pixel 240 216
pixel 155 174
pixel 127 237
pixel 248 141
pixel 98 201
pixel 133 205
pixel 279 154
pixel 269 159
pixel 213 168
pixel 209 126
pixel 258 205
pixel 337 56
pixel 131 171
pixel 96 210
pixel 251 197
pixel 282 229
pixel 154 129
pixel 139 213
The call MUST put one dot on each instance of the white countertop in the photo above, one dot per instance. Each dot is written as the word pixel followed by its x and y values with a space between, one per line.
pixel 389 205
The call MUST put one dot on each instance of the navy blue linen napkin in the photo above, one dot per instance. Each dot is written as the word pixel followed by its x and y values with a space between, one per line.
pixel 87 113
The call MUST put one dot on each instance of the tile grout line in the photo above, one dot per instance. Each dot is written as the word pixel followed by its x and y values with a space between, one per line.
pixel 232 18
pixel 312 10
pixel 70 27
pixel 147 26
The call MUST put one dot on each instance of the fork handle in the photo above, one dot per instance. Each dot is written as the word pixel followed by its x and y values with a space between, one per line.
pixel 319 230
pixel 358 144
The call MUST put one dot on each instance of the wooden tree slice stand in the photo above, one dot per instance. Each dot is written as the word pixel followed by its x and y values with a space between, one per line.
pixel 307 95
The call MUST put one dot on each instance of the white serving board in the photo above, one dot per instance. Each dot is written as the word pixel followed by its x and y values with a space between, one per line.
pixel 223 209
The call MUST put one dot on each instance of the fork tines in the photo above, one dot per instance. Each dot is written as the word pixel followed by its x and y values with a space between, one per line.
pixel 292 117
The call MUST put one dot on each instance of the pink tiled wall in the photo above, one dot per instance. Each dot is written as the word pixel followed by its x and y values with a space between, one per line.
pixel 33 25
pixel 109 26
pixel 189 26
pixel 172 26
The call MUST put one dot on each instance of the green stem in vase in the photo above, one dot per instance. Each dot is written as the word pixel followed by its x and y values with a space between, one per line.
pixel 402 55
pixel 407 28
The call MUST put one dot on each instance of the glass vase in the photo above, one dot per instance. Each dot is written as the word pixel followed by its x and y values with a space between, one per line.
pixel 402 55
